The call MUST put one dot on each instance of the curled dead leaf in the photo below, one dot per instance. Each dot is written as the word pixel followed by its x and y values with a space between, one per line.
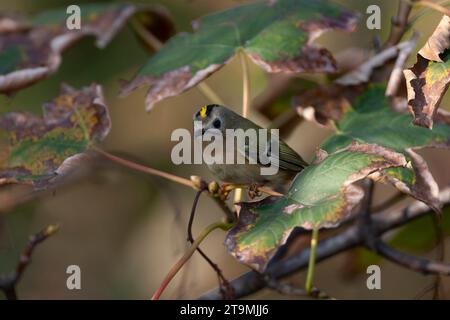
pixel 325 105
pixel 438 42
pixel 428 80
pixel 424 187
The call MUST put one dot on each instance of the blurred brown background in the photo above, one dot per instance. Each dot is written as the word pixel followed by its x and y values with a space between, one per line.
pixel 126 230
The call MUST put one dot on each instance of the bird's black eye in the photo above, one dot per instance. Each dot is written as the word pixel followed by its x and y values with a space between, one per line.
pixel 217 124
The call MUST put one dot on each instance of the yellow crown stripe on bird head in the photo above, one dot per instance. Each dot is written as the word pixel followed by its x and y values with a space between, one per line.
pixel 203 112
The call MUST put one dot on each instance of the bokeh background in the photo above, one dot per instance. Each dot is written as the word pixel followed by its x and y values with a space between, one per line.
pixel 124 229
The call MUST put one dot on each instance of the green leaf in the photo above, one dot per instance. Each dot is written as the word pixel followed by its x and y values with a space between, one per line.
pixel 322 195
pixel 36 149
pixel 31 51
pixel 372 120
pixel 428 80
pixel 277 35
pixel 10 58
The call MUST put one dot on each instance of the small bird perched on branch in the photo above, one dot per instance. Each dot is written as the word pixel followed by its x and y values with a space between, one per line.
pixel 254 159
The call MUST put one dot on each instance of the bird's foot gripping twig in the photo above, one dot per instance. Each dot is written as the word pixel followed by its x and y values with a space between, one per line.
pixel 226 188
pixel 254 190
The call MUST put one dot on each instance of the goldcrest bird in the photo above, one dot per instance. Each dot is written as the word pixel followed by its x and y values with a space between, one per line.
pixel 220 119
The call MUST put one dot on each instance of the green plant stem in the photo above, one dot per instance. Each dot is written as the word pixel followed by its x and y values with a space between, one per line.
pixel 154 44
pixel 180 263
pixel 245 105
pixel 209 93
pixel 312 261
pixel 245 84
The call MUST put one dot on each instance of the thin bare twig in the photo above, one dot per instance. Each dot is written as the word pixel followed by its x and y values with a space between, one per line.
pixel 180 263
pixel 418 264
pixel 195 182
pixel 190 183
pixel 9 282
pixel 426 11
pixel 399 24
pixel 432 5
pixel 226 289
pixel 289 290
pixel 397 72
pixel 364 71
pixel 142 168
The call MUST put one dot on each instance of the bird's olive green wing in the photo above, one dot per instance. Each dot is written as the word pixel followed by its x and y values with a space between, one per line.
pixel 288 159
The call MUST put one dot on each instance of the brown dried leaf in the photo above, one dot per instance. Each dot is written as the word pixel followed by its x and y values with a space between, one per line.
pixel 438 42
pixel 425 187
pixel 428 80
pixel 325 105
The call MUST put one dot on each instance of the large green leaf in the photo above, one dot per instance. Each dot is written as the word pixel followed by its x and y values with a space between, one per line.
pixel 31 50
pixel 277 35
pixel 36 149
pixel 428 80
pixel 372 120
pixel 322 195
